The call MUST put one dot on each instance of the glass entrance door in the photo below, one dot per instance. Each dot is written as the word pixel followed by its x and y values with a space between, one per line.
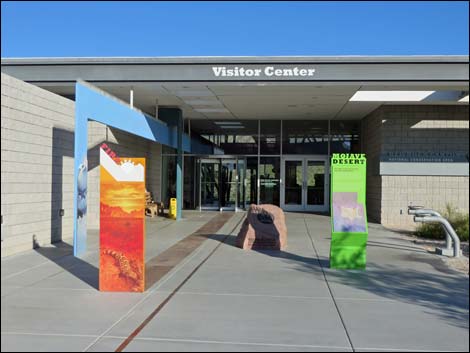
pixel 210 176
pixel 316 191
pixel 293 184
pixel 304 183
pixel 228 184
pixel 222 183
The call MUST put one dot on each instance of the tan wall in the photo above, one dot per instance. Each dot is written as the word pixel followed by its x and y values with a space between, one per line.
pixel 36 165
pixel 372 142
pixel 414 128
pixel 37 142
pixel 423 128
pixel 431 191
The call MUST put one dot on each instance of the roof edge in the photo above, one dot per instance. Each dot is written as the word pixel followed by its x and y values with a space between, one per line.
pixel 237 59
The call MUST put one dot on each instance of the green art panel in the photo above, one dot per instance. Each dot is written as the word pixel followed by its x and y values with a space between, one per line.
pixel 348 211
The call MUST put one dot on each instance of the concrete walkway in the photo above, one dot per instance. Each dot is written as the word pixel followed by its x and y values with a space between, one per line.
pixel 220 298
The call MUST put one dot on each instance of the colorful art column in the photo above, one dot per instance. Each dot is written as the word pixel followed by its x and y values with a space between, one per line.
pixel 348 211
pixel 122 223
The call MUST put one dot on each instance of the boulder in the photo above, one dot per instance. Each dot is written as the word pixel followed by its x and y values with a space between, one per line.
pixel 264 228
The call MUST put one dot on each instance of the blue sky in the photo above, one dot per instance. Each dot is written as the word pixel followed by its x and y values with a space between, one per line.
pixel 54 29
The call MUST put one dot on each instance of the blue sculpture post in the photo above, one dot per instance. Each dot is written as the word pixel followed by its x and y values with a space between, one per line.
pixel 80 177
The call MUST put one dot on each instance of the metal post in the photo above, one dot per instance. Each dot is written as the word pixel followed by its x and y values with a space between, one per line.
pixel 179 168
pixel 156 108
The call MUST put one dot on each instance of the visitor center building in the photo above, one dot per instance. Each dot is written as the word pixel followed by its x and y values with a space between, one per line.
pixel 261 130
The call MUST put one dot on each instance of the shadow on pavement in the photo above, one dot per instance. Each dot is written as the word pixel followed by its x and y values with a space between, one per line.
pixel 62 254
pixel 439 291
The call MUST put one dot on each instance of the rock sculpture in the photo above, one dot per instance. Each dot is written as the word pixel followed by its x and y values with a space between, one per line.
pixel 264 228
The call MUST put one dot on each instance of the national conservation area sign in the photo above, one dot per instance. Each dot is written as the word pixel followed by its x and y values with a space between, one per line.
pixel 348 211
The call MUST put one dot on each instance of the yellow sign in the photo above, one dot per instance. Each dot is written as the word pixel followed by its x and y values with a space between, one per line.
pixel 172 212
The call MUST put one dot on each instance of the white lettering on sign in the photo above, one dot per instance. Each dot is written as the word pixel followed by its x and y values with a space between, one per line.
pixel 269 71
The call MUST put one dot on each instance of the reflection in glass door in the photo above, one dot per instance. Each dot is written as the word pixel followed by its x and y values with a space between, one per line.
pixel 228 184
pixel 315 183
pixel 304 186
pixel 210 184
pixel 293 181
pixel 241 183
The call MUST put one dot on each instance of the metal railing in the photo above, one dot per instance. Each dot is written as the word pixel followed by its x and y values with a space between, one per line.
pixel 424 215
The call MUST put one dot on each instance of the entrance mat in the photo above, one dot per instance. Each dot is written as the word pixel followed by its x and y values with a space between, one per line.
pixel 163 263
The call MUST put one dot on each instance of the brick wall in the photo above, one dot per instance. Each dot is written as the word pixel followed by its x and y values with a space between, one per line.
pixel 37 165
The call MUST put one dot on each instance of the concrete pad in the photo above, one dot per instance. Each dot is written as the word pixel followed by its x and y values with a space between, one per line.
pixel 392 325
pixel 241 300
pixel 29 260
pixel 131 320
pixel 252 272
pixel 7 290
pixel 44 343
pixel 68 312
pixel 164 345
pixel 250 320
pixel 75 267
pixel 404 285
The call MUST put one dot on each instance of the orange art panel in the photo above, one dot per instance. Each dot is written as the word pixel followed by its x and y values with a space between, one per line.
pixel 122 225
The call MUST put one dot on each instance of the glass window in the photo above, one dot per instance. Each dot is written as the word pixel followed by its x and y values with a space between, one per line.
pixel 305 137
pixel 345 136
pixel 269 176
pixel 230 137
pixel 270 136
pixel 189 186
pixel 168 150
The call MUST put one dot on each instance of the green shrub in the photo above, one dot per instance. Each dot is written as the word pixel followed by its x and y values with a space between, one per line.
pixel 457 219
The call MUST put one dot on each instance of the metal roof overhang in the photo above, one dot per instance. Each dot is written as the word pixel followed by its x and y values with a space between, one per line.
pixel 192 83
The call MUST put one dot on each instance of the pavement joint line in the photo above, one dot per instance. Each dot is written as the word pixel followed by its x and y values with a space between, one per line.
pixel 8 259
pixel 28 269
pixel 47 334
pixel 151 291
pixel 328 285
pixel 402 350
pixel 129 339
pixel 48 262
pixel 253 295
pixel 87 255
pixel 286 296
pixel 51 288
pixel 234 343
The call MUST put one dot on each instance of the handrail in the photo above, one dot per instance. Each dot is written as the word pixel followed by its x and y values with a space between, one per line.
pixel 423 215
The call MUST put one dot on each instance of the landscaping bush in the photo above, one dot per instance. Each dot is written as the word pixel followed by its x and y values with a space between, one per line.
pixel 458 220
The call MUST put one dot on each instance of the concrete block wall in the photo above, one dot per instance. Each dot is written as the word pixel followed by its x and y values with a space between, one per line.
pixel 36 165
pixel 372 141
pixel 37 143
pixel 431 191
pixel 414 128
pixel 423 128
